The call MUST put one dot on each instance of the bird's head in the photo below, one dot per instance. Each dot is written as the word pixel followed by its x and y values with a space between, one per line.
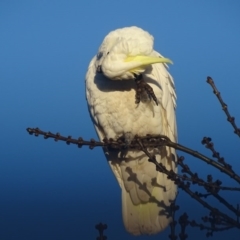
pixel 125 53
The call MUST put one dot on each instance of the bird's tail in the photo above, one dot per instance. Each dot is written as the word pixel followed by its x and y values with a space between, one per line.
pixel 146 193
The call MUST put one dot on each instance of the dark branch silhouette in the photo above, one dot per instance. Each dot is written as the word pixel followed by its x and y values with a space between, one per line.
pixel 224 106
pixel 217 220
pixel 101 227
pixel 148 141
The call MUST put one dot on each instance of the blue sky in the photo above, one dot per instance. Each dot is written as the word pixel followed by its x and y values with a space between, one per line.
pixel 53 191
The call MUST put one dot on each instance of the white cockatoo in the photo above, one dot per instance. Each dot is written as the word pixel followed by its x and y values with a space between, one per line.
pixel 125 54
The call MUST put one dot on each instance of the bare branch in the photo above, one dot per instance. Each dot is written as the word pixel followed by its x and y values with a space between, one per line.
pixel 209 144
pixel 196 180
pixel 173 223
pixel 210 229
pixel 183 221
pixel 101 227
pixel 148 141
pixel 224 106
pixel 186 187
pixel 218 220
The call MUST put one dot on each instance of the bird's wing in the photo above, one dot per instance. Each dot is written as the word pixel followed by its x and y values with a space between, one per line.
pixel 91 76
pixel 153 216
pixel 168 99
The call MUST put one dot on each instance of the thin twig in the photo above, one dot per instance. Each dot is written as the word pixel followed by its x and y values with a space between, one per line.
pixel 224 106
pixel 101 227
pixel 211 229
pixel 228 205
pixel 173 223
pixel 183 221
pixel 207 141
pixel 196 180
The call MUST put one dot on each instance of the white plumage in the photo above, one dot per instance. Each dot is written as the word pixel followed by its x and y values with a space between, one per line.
pixel 110 90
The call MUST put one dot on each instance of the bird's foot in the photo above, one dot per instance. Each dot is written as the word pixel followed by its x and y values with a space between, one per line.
pixel 143 87
pixel 128 137
pixel 125 140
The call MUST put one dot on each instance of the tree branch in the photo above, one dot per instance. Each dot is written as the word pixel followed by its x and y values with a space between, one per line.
pixel 148 141
pixel 224 106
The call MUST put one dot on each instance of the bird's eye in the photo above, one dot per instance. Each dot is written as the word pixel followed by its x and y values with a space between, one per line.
pixel 99 55
pixel 107 53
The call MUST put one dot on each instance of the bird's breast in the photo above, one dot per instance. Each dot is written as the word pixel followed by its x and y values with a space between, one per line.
pixel 113 103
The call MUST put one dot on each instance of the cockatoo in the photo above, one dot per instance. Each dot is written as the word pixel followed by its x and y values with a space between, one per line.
pixel 125 54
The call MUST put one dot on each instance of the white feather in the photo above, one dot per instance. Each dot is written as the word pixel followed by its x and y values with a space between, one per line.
pixel 146 193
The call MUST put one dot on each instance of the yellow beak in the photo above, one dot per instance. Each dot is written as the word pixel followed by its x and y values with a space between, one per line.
pixel 147 60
